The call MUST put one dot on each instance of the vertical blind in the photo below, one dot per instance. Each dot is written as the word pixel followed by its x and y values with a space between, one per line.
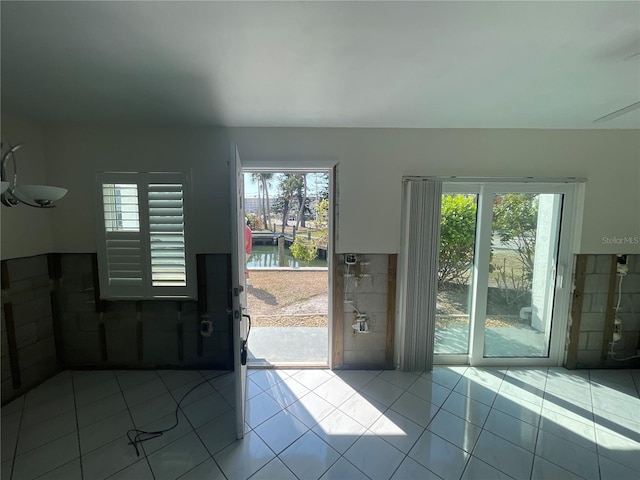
pixel 419 273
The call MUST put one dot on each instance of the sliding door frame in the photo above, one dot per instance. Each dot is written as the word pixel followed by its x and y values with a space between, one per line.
pixel 486 192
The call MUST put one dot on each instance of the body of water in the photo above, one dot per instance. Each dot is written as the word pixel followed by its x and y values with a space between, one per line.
pixel 267 256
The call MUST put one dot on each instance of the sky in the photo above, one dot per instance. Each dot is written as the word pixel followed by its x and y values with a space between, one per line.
pixel 251 187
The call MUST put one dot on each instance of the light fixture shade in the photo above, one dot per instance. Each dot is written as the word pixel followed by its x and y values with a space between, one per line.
pixel 4 186
pixel 41 194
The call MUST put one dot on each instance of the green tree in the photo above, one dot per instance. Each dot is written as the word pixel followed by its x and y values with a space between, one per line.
pixel 322 224
pixel 322 185
pixel 515 219
pixel 457 236
pixel 303 249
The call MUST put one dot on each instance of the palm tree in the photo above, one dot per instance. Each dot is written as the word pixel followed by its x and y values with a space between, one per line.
pixel 302 199
pixel 288 186
pixel 264 178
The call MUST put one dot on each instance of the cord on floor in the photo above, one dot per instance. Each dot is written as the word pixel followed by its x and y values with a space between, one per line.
pixel 143 435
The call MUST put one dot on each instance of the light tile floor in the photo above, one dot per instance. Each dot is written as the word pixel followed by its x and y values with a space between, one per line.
pixel 453 423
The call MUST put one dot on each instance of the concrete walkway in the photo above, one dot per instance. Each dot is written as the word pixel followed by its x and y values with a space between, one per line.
pixel 278 345
pixel 310 345
pixel 499 341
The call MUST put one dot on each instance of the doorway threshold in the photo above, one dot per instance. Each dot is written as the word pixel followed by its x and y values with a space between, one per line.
pixel 286 366
pixel 289 346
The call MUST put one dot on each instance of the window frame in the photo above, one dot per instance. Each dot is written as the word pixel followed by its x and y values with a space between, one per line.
pixel 146 289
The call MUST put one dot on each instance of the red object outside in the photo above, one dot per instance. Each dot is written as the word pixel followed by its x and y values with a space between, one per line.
pixel 247 239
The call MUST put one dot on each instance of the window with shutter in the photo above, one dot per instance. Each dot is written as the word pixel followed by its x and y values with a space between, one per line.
pixel 166 235
pixel 123 242
pixel 142 231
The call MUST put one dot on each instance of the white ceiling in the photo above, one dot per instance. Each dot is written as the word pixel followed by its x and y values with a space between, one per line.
pixel 331 64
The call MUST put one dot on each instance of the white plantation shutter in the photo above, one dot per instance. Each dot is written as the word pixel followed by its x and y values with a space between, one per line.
pixel 142 231
pixel 166 235
pixel 123 262
pixel 125 259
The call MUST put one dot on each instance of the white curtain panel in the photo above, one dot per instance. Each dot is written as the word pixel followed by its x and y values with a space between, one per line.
pixel 418 274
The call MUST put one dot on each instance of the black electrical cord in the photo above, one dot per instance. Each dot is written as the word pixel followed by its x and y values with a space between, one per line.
pixel 244 352
pixel 248 317
pixel 143 435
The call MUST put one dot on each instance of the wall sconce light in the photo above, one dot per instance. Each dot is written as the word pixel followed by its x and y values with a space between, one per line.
pixel 39 196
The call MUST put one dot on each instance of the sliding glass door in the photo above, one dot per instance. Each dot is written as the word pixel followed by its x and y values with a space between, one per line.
pixel 455 271
pixel 503 250
pixel 522 274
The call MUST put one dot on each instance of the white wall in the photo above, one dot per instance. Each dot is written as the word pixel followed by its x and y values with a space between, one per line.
pixel 373 161
pixel 78 154
pixel 371 165
pixel 26 231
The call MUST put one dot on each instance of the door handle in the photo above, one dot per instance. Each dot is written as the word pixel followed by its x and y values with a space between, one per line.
pixel 560 276
pixel 248 317
pixel 243 343
pixel 243 352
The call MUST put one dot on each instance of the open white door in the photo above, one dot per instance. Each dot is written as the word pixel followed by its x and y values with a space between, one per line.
pixel 238 261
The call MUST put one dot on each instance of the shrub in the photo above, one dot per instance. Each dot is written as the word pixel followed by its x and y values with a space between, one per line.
pixel 323 223
pixel 303 250
pixel 515 221
pixel 255 222
pixel 457 236
pixel 515 218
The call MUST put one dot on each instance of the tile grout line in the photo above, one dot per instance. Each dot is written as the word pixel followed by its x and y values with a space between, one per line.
pixel 46 443
pixel 539 427
pixel 482 429
pixel 568 441
pixel 309 429
pixel 282 408
pixel 440 408
pixel 180 410
pixel 595 433
pixel 15 447
pixel 505 380
pixel 406 390
pixel 58 438
pixel 219 392
pixel 134 425
pixel 99 400
pixel 75 411
pixel 193 429
pixel 425 429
